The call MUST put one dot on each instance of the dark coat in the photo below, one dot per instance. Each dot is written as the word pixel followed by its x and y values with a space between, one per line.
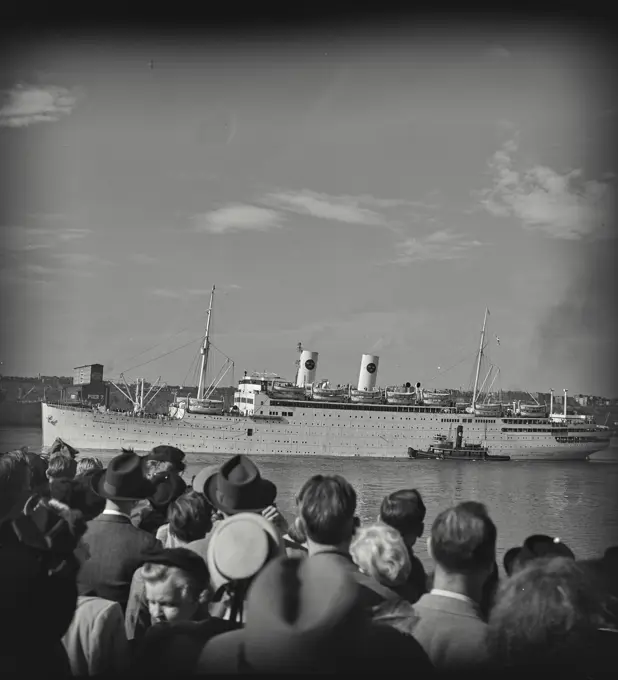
pixel 37 603
pixel 116 549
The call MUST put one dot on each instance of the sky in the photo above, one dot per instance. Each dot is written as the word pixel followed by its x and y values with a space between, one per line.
pixel 352 193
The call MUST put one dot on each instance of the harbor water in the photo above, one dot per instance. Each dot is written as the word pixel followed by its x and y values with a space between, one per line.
pixel 577 502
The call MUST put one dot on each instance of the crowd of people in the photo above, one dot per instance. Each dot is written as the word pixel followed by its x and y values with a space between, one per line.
pixel 133 569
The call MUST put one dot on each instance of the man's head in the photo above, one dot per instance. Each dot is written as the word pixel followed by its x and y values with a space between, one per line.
pixel 15 481
pixel 404 510
pixel 463 542
pixel 176 584
pixel 327 508
pixel 60 471
pixel 547 613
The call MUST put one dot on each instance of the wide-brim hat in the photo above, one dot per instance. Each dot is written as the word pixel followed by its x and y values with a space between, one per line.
pixel 327 621
pixel 200 479
pixel 238 487
pixel 535 547
pixel 123 479
pixel 168 488
pixel 168 454
pixel 239 548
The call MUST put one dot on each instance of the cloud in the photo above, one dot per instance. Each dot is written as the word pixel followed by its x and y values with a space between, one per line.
pixel 348 209
pixel 497 52
pixel 166 293
pixel 438 246
pixel 40 269
pixel 79 260
pixel 560 205
pixel 25 105
pixel 72 234
pixel 239 217
pixel 143 258
pixel 20 238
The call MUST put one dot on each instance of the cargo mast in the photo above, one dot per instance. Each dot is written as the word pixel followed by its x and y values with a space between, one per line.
pixel 204 349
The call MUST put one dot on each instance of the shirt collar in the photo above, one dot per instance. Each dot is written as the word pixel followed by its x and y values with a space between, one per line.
pixel 109 511
pixel 454 596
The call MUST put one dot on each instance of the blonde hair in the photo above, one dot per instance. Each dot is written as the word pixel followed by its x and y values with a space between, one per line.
pixel 87 463
pixel 379 551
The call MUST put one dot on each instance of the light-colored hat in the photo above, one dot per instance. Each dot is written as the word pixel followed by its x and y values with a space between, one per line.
pixel 240 546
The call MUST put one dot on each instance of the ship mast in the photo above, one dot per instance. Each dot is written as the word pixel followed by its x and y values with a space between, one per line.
pixel 478 363
pixel 204 349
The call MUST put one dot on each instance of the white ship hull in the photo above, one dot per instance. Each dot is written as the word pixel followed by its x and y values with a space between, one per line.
pixel 303 429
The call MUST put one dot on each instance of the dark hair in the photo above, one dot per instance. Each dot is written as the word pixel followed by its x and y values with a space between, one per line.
pixel 62 466
pixel 403 510
pixel 38 470
pixel 327 506
pixel 189 517
pixel 488 594
pixel 14 471
pixel 463 538
pixel 546 614
pixel 84 498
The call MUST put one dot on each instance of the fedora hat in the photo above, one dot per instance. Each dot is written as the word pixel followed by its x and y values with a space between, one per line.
pixel 168 454
pixel 326 621
pixel 535 547
pixel 239 487
pixel 123 479
pixel 239 547
pixel 199 481
pixel 168 487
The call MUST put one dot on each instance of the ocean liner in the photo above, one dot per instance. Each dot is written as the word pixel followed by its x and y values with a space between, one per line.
pixel 311 417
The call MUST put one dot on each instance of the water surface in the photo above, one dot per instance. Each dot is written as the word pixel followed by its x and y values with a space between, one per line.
pixel 577 502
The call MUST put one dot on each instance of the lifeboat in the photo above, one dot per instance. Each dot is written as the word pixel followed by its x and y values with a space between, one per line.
pixel 488 410
pixel 324 392
pixel 532 410
pixel 365 396
pixel 204 406
pixel 400 395
pixel 287 391
pixel 436 398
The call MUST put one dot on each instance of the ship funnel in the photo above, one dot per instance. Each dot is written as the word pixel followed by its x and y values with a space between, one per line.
pixel 308 367
pixel 368 372
pixel 418 390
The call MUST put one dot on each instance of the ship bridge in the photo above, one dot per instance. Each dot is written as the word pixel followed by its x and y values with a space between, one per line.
pixel 249 387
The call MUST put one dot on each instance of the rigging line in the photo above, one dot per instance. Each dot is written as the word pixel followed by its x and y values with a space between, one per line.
pixel 161 355
pixel 192 368
pixel 169 337
pixel 212 344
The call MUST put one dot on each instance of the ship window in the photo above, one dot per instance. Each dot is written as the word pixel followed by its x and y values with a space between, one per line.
pixel 250 432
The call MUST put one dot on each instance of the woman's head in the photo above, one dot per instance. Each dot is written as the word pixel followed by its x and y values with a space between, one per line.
pixel 189 517
pixel 379 551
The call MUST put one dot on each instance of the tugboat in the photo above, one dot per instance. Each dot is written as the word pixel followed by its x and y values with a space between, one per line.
pixel 444 449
